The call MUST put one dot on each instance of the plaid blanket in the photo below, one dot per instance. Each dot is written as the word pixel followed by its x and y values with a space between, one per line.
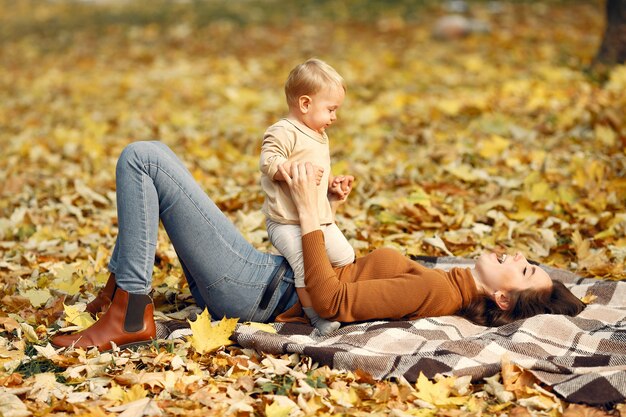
pixel 582 358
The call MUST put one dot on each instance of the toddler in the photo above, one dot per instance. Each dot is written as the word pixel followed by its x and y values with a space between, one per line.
pixel 314 92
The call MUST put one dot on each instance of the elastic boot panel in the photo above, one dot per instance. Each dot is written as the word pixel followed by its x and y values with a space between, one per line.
pixel 137 303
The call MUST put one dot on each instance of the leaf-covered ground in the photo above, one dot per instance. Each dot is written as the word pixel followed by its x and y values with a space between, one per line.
pixel 499 140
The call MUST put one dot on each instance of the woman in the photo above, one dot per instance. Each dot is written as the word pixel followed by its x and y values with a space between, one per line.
pixel 231 278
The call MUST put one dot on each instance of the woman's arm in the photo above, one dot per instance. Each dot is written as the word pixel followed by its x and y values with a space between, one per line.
pixel 382 286
pixel 303 188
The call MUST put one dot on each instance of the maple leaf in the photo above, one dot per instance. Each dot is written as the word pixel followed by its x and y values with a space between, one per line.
pixel 37 297
pixel 123 395
pixel 206 337
pixel 276 410
pixel 82 319
pixel 438 393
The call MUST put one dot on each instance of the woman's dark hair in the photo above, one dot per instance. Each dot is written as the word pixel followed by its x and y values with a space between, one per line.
pixel 557 300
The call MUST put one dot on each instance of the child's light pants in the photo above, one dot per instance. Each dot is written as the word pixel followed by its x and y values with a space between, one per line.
pixel 287 238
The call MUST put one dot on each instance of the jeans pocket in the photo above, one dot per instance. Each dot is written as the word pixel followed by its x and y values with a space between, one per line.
pixel 232 298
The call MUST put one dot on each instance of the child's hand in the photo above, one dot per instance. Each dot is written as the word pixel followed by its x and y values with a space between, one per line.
pixel 341 186
pixel 319 173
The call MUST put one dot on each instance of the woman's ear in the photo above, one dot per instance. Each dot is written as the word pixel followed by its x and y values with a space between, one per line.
pixel 304 102
pixel 502 300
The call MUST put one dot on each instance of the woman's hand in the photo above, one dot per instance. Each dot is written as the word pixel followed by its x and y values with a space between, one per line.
pixel 302 184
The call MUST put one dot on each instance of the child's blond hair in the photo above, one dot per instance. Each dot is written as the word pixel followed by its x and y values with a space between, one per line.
pixel 309 78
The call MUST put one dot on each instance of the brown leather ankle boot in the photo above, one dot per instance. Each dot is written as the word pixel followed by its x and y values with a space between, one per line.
pixel 128 322
pixel 103 298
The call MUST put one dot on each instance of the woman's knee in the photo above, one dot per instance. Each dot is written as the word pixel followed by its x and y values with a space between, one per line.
pixel 137 153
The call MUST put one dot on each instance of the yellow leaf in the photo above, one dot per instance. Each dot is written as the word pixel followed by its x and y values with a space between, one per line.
pixel 567 194
pixel 346 398
pixel 541 191
pixel 63 271
pixel 464 172
pixel 438 393
pixel 605 135
pixel 524 211
pixel 420 197
pixel 81 319
pixel 37 297
pixel 493 146
pixel 206 337
pixel 473 63
pixel 589 298
pixel 450 107
pixel 276 410
pixel 268 328
pixel 172 281
pixel 582 247
pixel 69 286
pixel 123 395
pixel 29 332
pixel 438 243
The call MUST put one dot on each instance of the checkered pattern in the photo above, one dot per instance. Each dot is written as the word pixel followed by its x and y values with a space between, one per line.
pixel 582 358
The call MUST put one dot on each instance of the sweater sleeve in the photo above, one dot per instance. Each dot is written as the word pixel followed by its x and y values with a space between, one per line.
pixel 276 148
pixel 382 285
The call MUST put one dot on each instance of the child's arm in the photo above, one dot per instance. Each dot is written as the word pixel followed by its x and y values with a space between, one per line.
pixel 275 150
pixel 279 176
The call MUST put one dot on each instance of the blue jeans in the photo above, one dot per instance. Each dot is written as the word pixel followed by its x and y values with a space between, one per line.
pixel 225 273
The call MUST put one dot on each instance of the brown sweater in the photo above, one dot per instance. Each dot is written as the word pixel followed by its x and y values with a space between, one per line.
pixel 381 285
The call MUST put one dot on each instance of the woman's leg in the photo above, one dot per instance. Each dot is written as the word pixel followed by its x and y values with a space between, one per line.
pixel 229 273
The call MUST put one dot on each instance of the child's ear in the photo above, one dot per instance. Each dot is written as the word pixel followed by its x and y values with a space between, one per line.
pixel 502 300
pixel 304 102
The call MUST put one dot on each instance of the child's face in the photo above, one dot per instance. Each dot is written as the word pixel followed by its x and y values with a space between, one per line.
pixel 320 109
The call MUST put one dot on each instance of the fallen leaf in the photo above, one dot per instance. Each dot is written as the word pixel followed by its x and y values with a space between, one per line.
pixel 206 337
pixel 264 327
pixel 82 319
pixel 12 406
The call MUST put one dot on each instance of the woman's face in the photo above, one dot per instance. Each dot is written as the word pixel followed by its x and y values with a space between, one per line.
pixel 510 273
